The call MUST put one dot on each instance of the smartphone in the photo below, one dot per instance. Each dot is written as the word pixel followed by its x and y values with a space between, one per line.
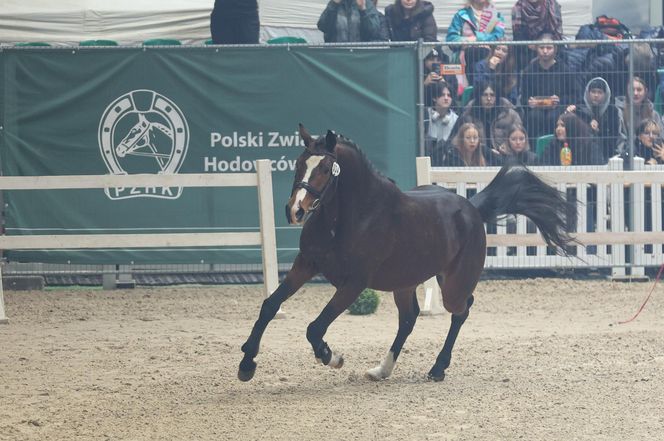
pixel 435 67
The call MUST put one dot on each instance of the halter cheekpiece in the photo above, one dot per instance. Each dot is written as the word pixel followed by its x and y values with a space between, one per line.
pixel 319 195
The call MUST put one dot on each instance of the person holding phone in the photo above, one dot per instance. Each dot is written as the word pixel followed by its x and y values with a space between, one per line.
pixel 649 144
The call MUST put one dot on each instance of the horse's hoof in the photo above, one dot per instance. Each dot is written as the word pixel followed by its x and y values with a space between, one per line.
pixel 246 375
pixel 337 361
pixel 247 370
pixel 436 377
pixel 375 374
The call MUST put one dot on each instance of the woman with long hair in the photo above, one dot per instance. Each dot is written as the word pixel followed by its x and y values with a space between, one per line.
pixel 574 134
pixel 517 147
pixel 466 149
pixel 639 104
pixel 493 114
pixel 499 69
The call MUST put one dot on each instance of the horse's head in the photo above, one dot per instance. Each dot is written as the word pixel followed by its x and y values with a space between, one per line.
pixel 316 172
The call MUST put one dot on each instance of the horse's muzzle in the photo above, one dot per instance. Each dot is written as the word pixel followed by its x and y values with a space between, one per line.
pixel 299 215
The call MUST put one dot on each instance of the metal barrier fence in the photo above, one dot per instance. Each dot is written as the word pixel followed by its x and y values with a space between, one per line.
pixel 522 93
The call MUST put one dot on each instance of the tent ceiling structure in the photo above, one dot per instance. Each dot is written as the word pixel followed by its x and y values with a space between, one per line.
pixel 133 21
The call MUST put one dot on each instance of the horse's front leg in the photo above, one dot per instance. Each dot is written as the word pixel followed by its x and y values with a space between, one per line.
pixel 301 272
pixel 316 330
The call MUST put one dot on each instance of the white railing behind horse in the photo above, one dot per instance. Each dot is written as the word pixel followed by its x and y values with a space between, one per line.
pixel 609 219
pixel 266 238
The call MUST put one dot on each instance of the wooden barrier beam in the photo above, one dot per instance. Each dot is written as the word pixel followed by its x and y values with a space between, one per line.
pixel 79 241
pixel 124 181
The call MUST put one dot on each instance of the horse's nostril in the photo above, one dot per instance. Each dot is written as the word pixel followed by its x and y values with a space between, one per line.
pixel 299 214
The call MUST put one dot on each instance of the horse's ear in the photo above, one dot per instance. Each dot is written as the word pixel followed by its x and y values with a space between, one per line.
pixel 306 137
pixel 330 141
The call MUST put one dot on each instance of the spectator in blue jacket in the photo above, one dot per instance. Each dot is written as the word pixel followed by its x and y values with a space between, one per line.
pixel 350 21
pixel 477 21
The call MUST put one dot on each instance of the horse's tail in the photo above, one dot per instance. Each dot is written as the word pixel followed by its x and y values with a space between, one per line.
pixel 517 190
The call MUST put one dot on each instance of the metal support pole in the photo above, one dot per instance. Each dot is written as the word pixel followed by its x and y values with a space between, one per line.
pixel 420 97
pixel 629 249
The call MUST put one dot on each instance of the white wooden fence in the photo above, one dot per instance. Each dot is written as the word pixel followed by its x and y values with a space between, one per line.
pixel 605 213
pixel 262 179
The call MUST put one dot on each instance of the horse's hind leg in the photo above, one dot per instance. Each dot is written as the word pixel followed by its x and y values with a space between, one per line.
pixel 316 330
pixel 409 309
pixel 437 372
pixel 300 273
pixel 457 286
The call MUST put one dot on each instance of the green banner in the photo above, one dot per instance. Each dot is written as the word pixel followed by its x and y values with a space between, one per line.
pixel 188 110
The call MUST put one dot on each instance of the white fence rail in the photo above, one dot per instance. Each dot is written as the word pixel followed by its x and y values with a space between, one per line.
pixel 266 238
pixel 619 219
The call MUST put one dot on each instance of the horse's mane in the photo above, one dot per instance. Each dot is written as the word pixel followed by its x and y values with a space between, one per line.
pixel 363 157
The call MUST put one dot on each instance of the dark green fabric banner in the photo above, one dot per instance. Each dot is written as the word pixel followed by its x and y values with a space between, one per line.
pixel 188 110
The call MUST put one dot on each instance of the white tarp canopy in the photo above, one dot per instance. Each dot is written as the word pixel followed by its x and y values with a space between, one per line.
pixel 133 21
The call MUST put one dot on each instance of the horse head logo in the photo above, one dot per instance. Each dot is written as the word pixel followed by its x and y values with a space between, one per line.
pixel 143 132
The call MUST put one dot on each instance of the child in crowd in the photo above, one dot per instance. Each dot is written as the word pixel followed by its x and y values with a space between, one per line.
pixel 439 121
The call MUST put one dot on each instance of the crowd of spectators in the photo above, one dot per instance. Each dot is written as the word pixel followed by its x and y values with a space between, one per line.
pixel 547 103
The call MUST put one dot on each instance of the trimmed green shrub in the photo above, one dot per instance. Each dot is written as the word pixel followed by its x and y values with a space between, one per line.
pixel 366 303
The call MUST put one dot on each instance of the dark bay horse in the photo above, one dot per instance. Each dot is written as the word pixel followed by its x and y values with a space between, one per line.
pixel 361 231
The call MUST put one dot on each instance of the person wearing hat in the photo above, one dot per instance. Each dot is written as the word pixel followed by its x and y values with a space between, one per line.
pixel 605 119
pixel 432 74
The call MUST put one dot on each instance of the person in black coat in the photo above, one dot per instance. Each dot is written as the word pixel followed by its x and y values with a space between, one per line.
pixel 235 22
pixel 547 88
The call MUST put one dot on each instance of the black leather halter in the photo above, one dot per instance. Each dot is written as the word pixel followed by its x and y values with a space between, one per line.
pixel 332 181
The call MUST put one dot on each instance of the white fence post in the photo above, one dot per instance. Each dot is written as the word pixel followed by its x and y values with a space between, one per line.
pixel 433 304
pixel 617 201
pixel 638 207
pixel 268 236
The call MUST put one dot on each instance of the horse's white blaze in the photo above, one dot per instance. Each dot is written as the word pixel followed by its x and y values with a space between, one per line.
pixel 312 163
pixel 385 368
